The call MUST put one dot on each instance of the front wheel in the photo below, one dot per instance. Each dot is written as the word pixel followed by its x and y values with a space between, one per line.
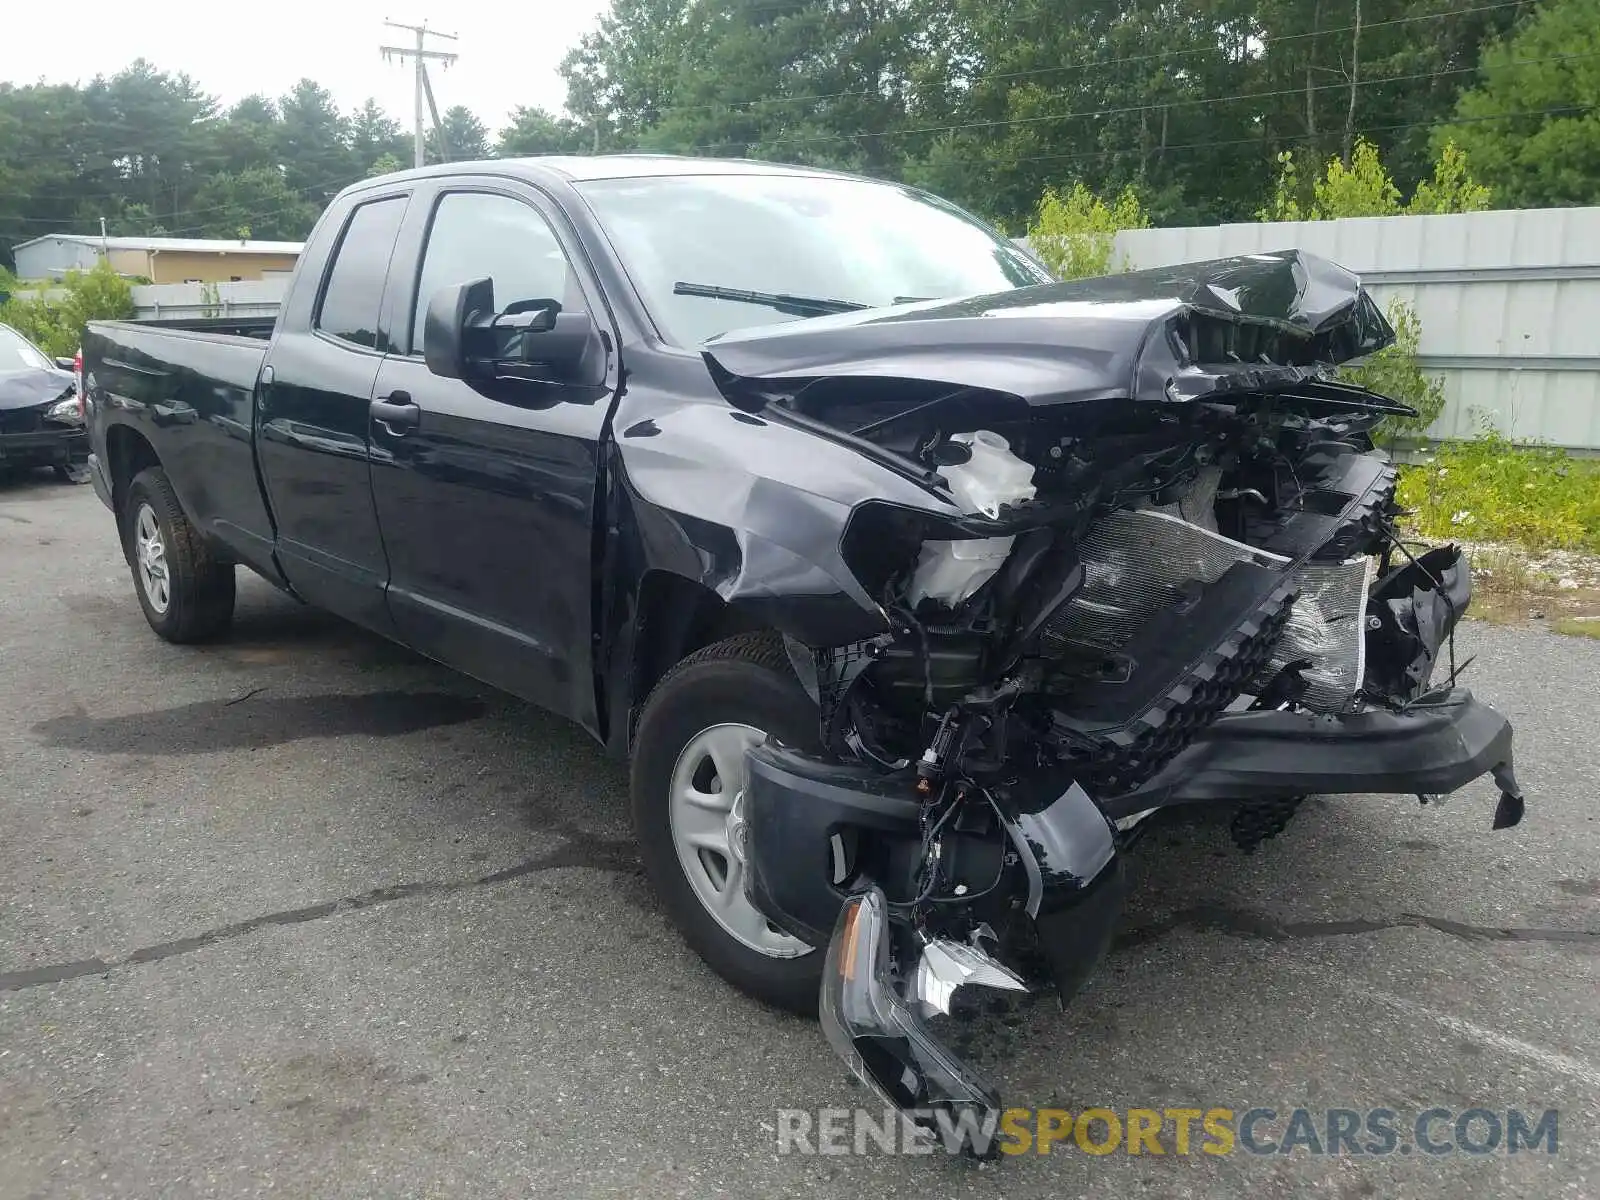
pixel 688 809
pixel 185 590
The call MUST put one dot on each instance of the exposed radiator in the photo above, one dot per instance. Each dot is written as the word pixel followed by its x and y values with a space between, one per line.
pixel 1137 562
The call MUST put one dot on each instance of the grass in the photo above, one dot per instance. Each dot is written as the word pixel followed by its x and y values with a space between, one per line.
pixel 1505 587
pixel 1491 489
pixel 1523 505
pixel 1578 627
pixel 1510 589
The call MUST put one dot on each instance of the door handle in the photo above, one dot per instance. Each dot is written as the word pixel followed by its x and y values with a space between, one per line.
pixel 396 413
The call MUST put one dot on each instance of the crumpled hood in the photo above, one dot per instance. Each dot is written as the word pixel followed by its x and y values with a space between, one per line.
pixel 1257 322
pixel 24 389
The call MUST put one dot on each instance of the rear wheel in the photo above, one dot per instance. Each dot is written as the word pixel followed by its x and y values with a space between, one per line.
pixel 185 590
pixel 688 809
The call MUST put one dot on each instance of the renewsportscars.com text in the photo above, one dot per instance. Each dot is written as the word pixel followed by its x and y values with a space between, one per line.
pixel 1260 1130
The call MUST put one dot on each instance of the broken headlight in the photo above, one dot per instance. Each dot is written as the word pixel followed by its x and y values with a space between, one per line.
pixel 880 1036
pixel 65 410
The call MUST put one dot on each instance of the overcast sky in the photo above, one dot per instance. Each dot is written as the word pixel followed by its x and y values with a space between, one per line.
pixel 509 50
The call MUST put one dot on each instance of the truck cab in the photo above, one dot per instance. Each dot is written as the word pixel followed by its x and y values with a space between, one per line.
pixel 313 463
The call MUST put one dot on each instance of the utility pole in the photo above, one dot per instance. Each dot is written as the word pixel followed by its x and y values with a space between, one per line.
pixel 420 53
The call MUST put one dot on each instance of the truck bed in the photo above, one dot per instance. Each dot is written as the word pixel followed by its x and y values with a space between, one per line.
pixel 190 388
pixel 250 327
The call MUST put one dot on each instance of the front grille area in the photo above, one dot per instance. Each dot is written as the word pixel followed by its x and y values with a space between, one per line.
pixel 1138 563
pixel 1344 500
pixel 22 420
pixel 1183 668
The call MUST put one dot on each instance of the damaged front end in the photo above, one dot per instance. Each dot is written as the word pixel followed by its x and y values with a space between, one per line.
pixel 1158 567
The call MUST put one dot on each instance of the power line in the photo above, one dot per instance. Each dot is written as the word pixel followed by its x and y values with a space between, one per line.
pixel 338 184
pixel 1097 64
pixel 1189 102
pixel 1557 110
pixel 326 187
pixel 1213 145
pixel 811 98
pixel 341 182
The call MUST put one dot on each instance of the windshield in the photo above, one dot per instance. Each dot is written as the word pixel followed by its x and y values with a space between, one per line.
pixel 18 354
pixel 850 241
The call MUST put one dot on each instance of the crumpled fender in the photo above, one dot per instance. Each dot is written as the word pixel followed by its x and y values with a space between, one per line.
pixel 755 510
pixel 1411 613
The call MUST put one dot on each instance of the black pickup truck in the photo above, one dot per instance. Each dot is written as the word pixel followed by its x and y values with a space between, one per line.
pixel 911 580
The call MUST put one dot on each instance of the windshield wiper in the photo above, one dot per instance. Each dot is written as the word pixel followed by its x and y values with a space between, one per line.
pixel 797 306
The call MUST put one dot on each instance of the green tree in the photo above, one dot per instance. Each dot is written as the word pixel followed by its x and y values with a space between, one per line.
pixel 1189 102
pixel 1363 187
pixel 622 76
pixel 1531 125
pixel 314 142
pixel 1075 234
pixel 375 136
pixel 258 202
pixel 385 164
pixel 247 137
pixel 154 135
pixel 535 131
pixel 46 149
pixel 459 137
pixel 1360 188
pixel 1185 100
pixel 148 152
pixel 1452 188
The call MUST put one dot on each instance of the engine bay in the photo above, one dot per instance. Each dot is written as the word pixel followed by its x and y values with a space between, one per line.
pixel 1142 575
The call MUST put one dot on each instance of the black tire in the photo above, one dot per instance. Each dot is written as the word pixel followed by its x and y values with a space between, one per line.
pixel 743 680
pixel 200 587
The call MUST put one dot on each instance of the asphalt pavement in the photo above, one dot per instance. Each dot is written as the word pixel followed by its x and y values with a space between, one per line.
pixel 302 913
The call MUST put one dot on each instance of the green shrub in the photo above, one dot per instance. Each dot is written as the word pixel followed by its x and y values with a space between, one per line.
pixel 1363 187
pixel 1492 489
pixel 1452 188
pixel 1075 234
pixel 1396 372
pixel 55 322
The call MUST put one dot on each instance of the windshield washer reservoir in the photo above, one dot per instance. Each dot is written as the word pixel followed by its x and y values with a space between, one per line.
pixel 990 479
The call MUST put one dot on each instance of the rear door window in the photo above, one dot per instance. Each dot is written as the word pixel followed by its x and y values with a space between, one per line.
pixel 353 296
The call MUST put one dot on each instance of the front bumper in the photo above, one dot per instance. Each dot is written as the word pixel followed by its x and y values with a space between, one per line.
pixel 796 804
pixel 1438 743
pixel 1068 852
pixel 44 447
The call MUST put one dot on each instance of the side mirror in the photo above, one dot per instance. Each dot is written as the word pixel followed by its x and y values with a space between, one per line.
pixel 66 364
pixel 464 337
pixel 445 324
